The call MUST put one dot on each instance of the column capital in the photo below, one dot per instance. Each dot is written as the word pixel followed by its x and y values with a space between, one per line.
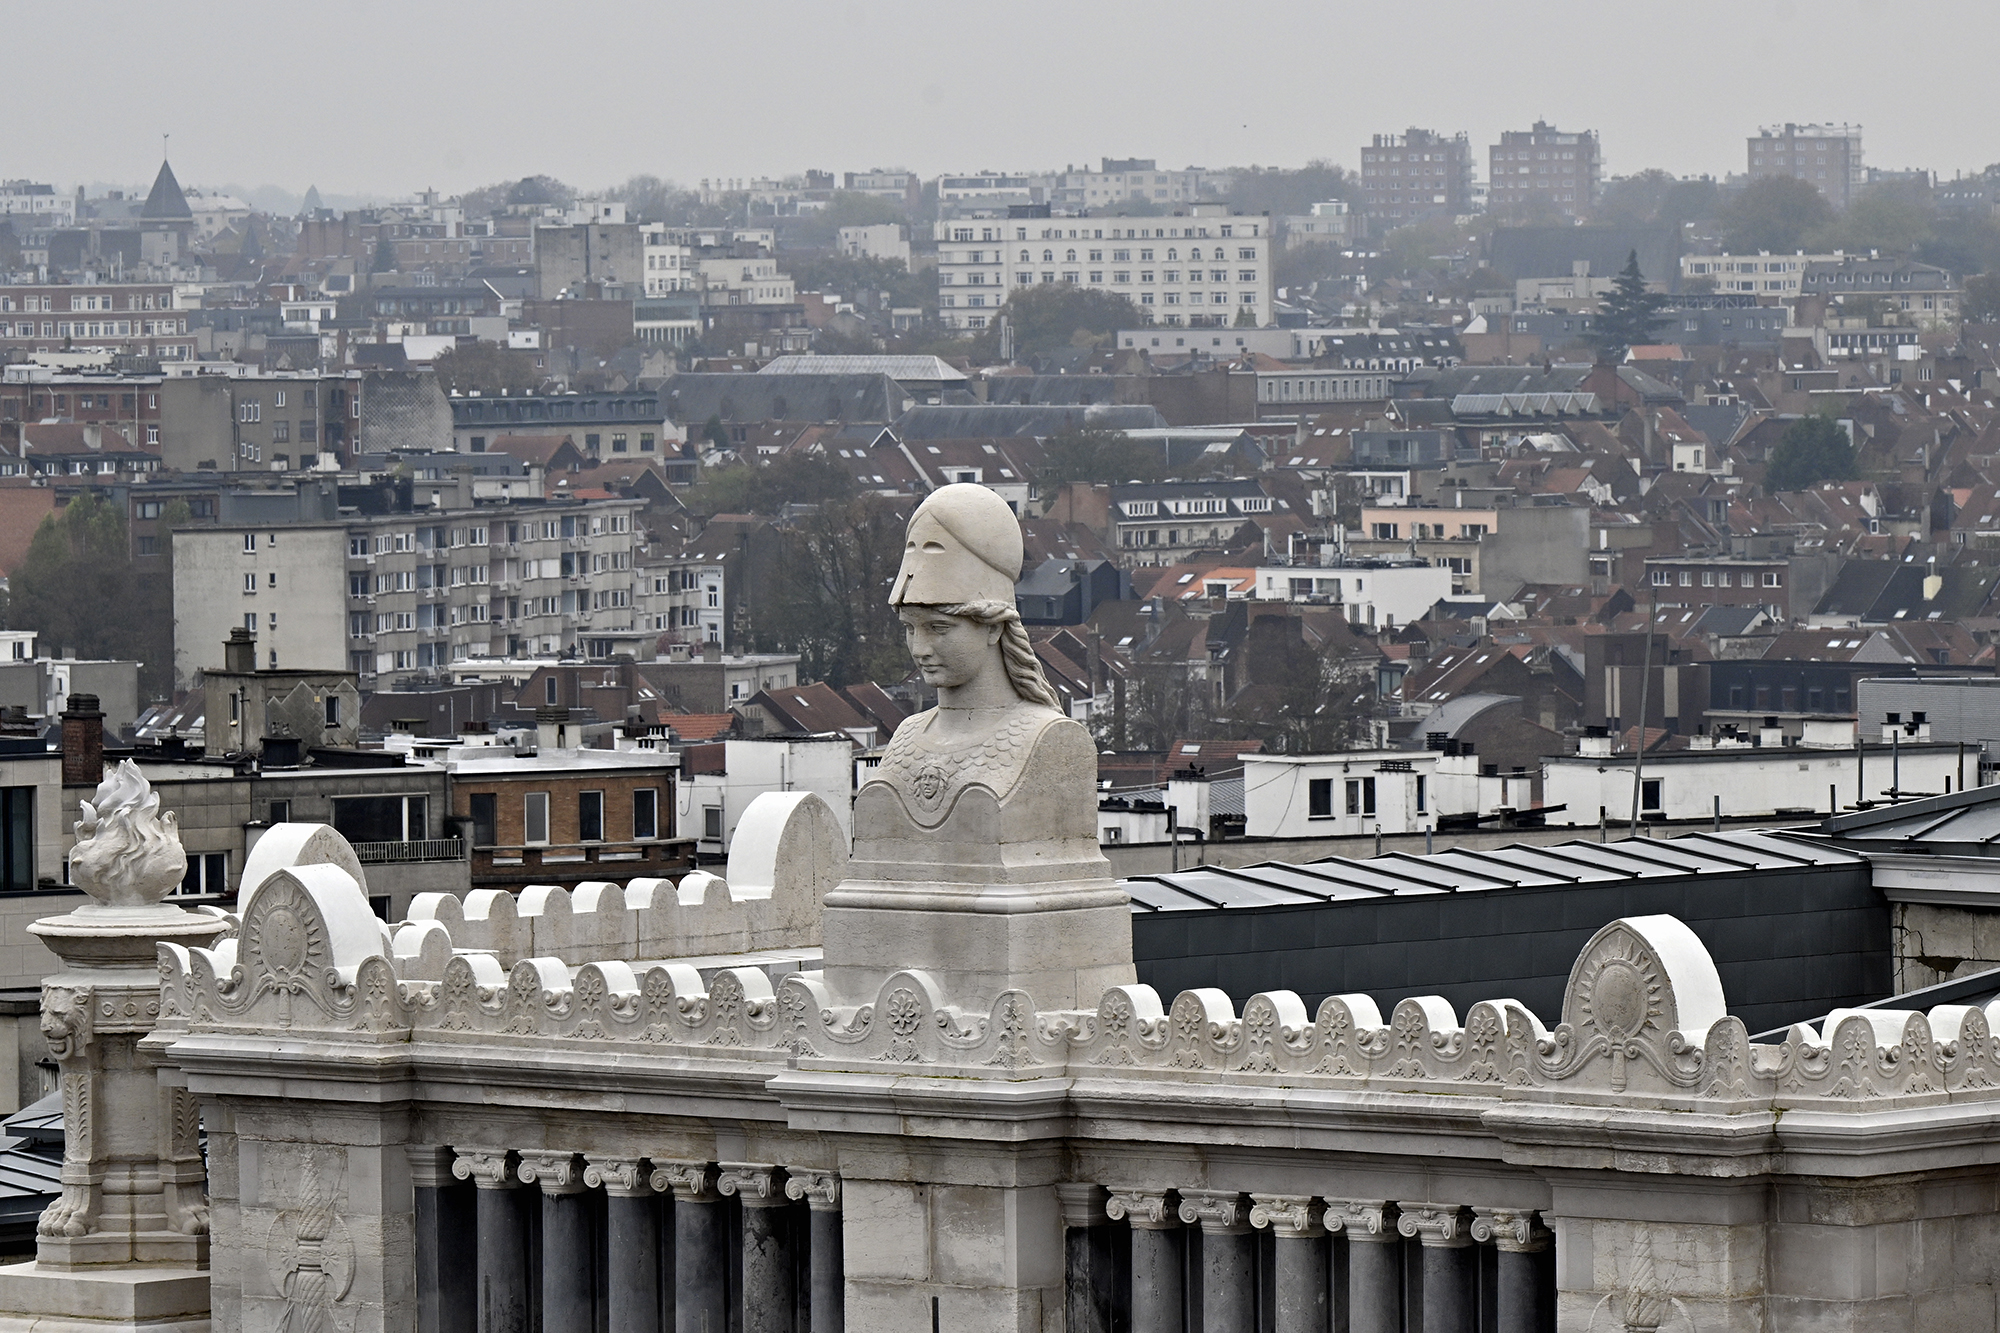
pixel 1149 1210
pixel 1082 1204
pixel 484 1167
pixel 1444 1225
pixel 1220 1212
pixel 820 1189
pixel 691 1182
pixel 556 1171
pixel 1514 1230
pixel 759 1184
pixel 430 1165
pixel 1290 1216
pixel 1362 1219
pixel 618 1177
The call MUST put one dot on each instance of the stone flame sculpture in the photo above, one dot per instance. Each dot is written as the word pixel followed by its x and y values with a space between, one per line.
pixel 128 1238
pixel 975 842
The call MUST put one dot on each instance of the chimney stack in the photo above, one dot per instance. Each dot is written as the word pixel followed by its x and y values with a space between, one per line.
pixel 82 742
pixel 239 651
pixel 552 728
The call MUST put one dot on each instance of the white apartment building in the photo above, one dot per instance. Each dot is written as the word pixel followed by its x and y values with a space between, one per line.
pixel 1120 180
pixel 750 280
pixel 1829 156
pixel 1385 594
pixel 1764 275
pixel 397 597
pixel 1329 223
pixel 683 599
pixel 884 240
pixel 667 262
pixel 37 204
pixel 1204 268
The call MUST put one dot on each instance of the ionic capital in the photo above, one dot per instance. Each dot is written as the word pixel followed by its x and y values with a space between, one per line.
pixel 619 1177
pixel 691 1182
pixel 1445 1225
pixel 820 1189
pixel 555 1171
pixel 484 1167
pixel 759 1184
pixel 1149 1210
pixel 1515 1230
pixel 1220 1212
pixel 1290 1216
pixel 1362 1219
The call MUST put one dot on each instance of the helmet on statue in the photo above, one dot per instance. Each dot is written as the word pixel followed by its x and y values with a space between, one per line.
pixel 964 545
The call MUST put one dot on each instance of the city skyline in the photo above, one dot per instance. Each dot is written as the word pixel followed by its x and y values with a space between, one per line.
pixel 918 100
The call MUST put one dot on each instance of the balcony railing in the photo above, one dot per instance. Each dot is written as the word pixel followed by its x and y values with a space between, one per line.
pixel 423 849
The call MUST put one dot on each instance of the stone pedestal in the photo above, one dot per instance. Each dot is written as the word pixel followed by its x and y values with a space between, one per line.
pixel 127 1241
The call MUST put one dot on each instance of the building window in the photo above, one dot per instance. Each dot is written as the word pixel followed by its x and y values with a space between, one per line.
pixel 646 813
pixel 281 812
pixel 17 838
pixel 333 710
pixel 484 818
pixel 1649 794
pixel 1422 783
pixel 711 823
pixel 207 872
pixel 590 816
pixel 1319 798
pixel 535 818
pixel 1361 796
pixel 381 818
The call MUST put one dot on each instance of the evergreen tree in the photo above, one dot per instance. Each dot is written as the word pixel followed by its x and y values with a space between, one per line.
pixel 1628 314
pixel 1812 450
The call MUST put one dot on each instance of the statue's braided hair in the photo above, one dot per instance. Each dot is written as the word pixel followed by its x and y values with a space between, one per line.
pixel 1024 669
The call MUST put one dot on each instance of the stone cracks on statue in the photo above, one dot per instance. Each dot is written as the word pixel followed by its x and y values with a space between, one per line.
pixel 1642 1024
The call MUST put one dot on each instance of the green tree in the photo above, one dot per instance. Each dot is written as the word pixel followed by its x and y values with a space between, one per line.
pixel 1981 303
pixel 1281 191
pixel 537 191
pixel 1628 314
pixel 1304 701
pixel 486 368
pixel 743 488
pixel 828 601
pixel 1813 449
pixel 860 278
pixel 1053 315
pixel 77 588
pixel 1634 200
pixel 385 256
pixel 1891 217
pixel 1102 456
pixel 1774 213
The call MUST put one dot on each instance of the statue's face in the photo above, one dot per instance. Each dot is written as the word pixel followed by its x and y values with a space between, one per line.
pixel 949 650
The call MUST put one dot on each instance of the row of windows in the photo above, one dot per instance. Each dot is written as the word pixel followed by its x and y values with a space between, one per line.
pixel 86 301
pixel 1718 579
pixel 1359 794
pixel 589 817
pixel 121 328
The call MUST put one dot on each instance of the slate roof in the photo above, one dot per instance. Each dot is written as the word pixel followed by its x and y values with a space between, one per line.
pixel 991 420
pixel 921 369
pixel 166 203
pixel 694 397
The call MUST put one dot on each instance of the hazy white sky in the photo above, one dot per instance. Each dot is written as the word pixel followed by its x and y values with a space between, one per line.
pixel 383 97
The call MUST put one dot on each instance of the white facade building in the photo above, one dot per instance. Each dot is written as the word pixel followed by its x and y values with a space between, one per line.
pixel 1339 795
pixel 1766 781
pixel 1765 275
pixel 1329 223
pixel 712 804
pixel 884 240
pixel 667 262
pixel 38 205
pixel 1208 268
pixel 1387 594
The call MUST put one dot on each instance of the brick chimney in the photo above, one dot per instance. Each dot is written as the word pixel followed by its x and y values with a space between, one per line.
pixel 82 742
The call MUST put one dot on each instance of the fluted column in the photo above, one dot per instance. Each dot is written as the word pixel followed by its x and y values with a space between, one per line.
pixel 568 1295
pixel 1451 1266
pixel 1228 1259
pixel 447 1252
pixel 1302 1297
pixel 821 1191
pixel 1519 1236
pixel 502 1277
pixel 1156 1257
pixel 701 1263
pixel 770 1300
pixel 632 1243
pixel 1374 1263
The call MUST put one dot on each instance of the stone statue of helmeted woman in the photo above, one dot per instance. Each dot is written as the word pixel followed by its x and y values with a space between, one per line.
pixel 975 841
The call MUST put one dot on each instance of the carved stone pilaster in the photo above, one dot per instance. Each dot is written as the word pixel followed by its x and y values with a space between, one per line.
pixel 1361 1219
pixel 758 1184
pixel 430 1165
pixel 1441 1225
pixel 1292 1216
pixel 619 1177
pixel 820 1189
pixel 484 1167
pixel 1514 1230
pixel 691 1182
pixel 68 1026
pixel 1149 1210
pixel 1082 1204
pixel 1220 1212
pixel 555 1171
